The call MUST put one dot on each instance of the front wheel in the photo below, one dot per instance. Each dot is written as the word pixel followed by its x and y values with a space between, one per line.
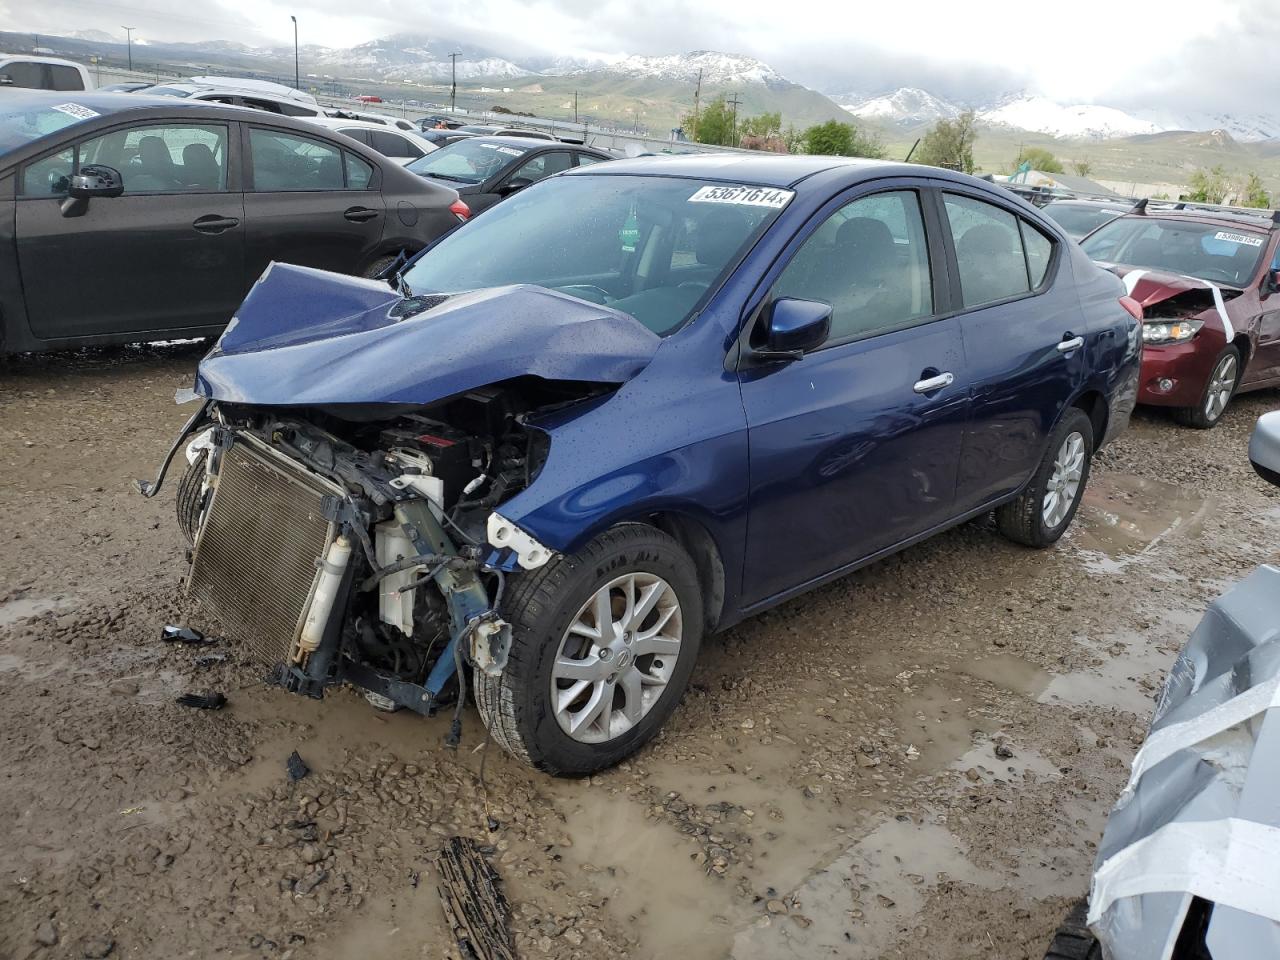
pixel 1043 511
pixel 1217 392
pixel 375 268
pixel 603 643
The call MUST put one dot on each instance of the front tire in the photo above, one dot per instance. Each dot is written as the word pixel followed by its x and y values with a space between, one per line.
pixel 376 267
pixel 1043 511
pixel 1217 394
pixel 603 643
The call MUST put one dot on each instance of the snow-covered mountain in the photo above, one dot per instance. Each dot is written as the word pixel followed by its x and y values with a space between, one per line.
pixel 1073 120
pixel 719 69
pixel 419 59
pixel 905 107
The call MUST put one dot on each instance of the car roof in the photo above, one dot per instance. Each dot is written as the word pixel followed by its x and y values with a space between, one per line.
pixel 40 58
pixel 1104 202
pixel 769 170
pixel 100 101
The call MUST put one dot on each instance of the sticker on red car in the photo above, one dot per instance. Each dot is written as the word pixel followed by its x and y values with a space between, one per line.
pixel 1238 238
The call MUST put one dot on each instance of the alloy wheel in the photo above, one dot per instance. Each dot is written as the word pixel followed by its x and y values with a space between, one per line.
pixel 1064 482
pixel 616 657
pixel 1221 386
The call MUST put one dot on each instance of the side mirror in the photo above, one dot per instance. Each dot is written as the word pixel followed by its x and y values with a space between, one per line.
pixel 1264 447
pixel 793 327
pixel 96 180
pixel 514 185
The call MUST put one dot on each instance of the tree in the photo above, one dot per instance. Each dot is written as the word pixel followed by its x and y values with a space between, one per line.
pixel 714 124
pixel 950 144
pixel 1040 159
pixel 836 139
pixel 764 126
pixel 1208 186
pixel 1254 193
pixel 1082 167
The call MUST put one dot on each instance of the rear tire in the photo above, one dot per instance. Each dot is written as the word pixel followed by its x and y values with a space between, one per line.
pixel 529 706
pixel 1072 940
pixel 1217 394
pixel 1034 518
pixel 372 270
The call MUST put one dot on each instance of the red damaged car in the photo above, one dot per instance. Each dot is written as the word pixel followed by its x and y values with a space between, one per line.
pixel 1208 282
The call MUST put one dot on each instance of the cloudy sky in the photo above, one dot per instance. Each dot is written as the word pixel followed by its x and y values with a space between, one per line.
pixel 1137 54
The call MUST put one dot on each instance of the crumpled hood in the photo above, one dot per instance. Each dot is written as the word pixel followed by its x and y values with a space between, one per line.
pixel 1150 287
pixel 307 337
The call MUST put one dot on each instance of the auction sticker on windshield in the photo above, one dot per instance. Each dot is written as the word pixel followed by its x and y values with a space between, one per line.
pixel 77 111
pixel 509 151
pixel 752 196
pixel 1238 238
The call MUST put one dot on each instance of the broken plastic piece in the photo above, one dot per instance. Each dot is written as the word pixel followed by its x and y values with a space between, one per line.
pixel 296 767
pixel 209 659
pixel 207 701
pixel 175 634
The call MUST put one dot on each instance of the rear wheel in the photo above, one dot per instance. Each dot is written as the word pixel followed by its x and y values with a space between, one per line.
pixel 1217 392
pixel 603 643
pixel 1044 510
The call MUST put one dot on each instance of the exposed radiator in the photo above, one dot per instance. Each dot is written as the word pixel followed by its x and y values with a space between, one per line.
pixel 255 560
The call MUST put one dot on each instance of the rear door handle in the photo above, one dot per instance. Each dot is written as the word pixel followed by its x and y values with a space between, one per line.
pixel 213 224
pixel 359 214
pixel 1074 343
pixel 930 384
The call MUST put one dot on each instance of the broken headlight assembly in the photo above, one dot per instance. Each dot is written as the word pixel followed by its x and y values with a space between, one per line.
pixel 1158 332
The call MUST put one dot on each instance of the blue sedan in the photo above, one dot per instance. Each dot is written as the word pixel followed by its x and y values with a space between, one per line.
pixel 630 406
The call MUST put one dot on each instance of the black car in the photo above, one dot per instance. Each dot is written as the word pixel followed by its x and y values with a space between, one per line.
pixel 442 138
pixel 127 217
pixel 484 170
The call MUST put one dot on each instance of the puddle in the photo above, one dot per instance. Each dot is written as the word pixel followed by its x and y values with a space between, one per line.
pixel 24 608
pixel 855 905
pixel 1127 680
pixel 1123 518
pixel 647 872
pixel 1011 672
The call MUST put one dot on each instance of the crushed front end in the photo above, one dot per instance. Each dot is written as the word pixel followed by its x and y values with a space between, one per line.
pixel 352 546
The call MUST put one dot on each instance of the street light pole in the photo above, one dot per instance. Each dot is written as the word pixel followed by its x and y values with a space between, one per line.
pixel 297 80
pixel 453 86
pixel 128 33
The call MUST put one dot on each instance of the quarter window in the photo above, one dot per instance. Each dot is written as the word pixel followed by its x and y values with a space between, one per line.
pixel 65 78
pixel 48 176
pixel 989 253
pixel 359 173
pixel 869 260
pixel 169 158
pixel 586 159
pixel 1039 249
pixel 283 161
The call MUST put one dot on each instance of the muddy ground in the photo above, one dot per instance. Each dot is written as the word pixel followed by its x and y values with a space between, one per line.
pixel 830 787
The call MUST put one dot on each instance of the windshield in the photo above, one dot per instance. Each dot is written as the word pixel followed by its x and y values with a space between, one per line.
pixel 651 247
pixel 19 126
pixel 467 161
pixel 1201 250
pixel 1078 221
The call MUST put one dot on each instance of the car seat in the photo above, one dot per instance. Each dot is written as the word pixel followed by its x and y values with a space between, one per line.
pixel 990 268
pixel 156 169
pixel 329 173
pixel 718 234
pixel 200 168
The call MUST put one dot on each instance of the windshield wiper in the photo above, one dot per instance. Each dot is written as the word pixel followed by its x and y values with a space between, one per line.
pixel 446 176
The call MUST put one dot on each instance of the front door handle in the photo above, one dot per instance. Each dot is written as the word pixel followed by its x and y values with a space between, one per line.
pixel 1067 345
pixel 213 224
pixel 930 384
pixel 359 214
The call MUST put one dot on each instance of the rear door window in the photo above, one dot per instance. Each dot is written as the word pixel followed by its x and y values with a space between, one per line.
pixel 356 133
pixel 988 246
pixel 285 162
pixel 543 165
pixel 390 145
pixel 64 78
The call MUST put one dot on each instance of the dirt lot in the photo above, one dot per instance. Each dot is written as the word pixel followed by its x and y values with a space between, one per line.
pixel 831 786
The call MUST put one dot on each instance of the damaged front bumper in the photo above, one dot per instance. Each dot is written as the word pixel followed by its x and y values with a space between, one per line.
pixel 1190 851
pixel 336 565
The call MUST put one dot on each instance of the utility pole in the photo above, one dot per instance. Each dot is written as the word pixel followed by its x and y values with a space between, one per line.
pixel 453 85
pixel 575 106
pixel 128 34
pixel 735 101
pixel 297 77
pixel 697 96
